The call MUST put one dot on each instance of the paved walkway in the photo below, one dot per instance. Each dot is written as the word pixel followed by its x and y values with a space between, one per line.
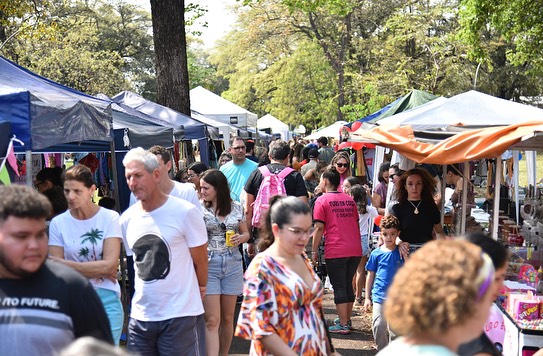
pixel 359 342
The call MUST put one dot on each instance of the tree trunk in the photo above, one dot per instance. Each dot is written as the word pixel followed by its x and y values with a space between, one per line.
pixel 171 54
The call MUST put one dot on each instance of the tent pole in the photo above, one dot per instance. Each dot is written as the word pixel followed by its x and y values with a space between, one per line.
pixel 464 198
pixel 29 176
pixel 516 183
pixel 115 177
pixel 496 209
pixel 443 188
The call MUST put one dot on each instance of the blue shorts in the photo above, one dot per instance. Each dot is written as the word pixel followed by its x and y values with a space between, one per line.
pixel 225 273
pixel 114 310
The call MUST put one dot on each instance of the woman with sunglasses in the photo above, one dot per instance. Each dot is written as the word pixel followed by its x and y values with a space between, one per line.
pixel 281 311
pixel 342 164
pixel 222 217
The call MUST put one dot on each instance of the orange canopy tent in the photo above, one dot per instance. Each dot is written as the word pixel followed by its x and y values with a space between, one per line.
pixel 468 145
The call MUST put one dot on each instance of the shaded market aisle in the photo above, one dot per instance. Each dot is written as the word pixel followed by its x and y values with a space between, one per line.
pixel 359 342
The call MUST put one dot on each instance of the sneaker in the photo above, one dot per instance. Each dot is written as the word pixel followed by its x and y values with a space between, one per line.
pixel 349 323
pixel 339 329
pixel 359 302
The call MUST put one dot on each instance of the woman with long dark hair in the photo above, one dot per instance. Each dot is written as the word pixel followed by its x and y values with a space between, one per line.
pixel 226 230
pixel 282 304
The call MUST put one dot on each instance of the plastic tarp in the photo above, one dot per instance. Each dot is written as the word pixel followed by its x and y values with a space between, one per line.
pixel 470 109
pixel 409 101
pixel 210 104
pixel 192 129
pixel 44 113
pixel 468 145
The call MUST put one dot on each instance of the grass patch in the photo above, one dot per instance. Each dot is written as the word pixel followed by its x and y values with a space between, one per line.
pixel 523 171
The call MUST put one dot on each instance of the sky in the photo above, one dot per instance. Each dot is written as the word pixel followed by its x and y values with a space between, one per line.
pixel 219 18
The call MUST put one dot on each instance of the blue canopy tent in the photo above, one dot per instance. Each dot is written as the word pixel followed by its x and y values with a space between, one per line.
pixel 192 128
pixel 49 117
pixel 44 113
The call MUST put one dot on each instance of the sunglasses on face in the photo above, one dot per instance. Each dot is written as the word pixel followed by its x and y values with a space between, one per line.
pixel 342 165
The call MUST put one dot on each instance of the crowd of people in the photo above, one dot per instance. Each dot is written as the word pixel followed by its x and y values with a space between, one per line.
pixel 255 231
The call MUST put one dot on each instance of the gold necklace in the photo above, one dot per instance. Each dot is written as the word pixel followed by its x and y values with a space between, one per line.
pixel 416 212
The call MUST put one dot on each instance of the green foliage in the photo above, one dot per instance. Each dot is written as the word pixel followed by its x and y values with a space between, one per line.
pixel 520 22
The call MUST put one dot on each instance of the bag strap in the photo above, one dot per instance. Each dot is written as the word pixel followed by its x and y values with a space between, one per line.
pixel 285 172
pixel 264 170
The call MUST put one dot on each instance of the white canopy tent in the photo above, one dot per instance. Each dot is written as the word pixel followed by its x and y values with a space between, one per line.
pixel 210 104
pixel 328 131
pixel 469 109
pixel 277 126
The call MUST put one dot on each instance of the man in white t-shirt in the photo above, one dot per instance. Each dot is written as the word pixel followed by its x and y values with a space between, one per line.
pixel 168 238
pixel 168 186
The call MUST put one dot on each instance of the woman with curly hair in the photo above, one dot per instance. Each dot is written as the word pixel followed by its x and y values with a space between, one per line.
pixel 439 299
pixel 418 213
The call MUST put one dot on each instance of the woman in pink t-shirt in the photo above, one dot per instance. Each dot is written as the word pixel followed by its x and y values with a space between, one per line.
pixel 336 217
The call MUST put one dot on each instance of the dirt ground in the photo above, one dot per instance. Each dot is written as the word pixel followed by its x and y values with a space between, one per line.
pixel 359 342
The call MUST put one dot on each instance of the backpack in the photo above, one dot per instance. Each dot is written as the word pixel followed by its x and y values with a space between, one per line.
pixel 273 184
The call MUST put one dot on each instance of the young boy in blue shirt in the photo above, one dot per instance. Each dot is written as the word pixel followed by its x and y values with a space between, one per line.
pixel 382 265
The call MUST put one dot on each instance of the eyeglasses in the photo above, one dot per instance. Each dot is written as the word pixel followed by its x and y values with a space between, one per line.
pixel 37 184
pixel 342 165
pixel 301 232
pixel 190 176
pixel 391 177
pixel 237 148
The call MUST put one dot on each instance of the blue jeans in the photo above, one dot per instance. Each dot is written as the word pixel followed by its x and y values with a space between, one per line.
pixel 184 336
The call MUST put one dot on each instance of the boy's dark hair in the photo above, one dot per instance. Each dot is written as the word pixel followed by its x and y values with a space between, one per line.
pixel 390 222
pixel 22 202
pixel 163 152
pixel 57 199
pixel 54 175
pixel 495 249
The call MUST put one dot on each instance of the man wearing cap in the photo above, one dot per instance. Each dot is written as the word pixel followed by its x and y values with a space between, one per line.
pixel 313 159
pixel 326 153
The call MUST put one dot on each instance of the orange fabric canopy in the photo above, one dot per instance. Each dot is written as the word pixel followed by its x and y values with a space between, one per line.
pixel 465 146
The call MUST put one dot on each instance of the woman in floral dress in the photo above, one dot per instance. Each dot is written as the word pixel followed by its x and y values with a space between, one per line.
pixel 281 311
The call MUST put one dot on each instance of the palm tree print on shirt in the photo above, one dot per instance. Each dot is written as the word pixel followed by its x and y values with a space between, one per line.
pixel 93 236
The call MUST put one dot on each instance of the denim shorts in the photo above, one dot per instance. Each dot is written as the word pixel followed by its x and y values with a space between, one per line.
pixel 365 245
pixel 225 272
